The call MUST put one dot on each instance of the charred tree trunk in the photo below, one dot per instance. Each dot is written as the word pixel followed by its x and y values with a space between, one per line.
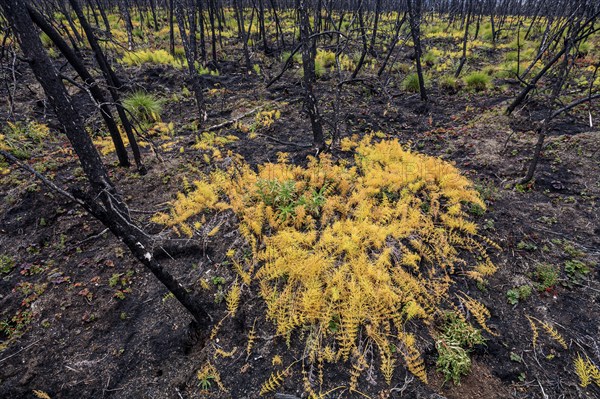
pixel 171 29
pixel 124 9
pixel 113 83
pixel 81 70
pixel 202 29
pixel 463 58
pixel 308 65
pixel 70 21
pixel 399 24
pixel 104 17
pixel 414 16
pixel 261 25
pixel 154 19
pixel 193 74
pixel 278 28
pixel 103 201
pixel 375 26
pixel 363 37
pixel 192 36
pixel 239 12
pixel 213 35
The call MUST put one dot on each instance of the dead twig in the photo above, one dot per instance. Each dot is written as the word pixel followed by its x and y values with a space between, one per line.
pixel 20 350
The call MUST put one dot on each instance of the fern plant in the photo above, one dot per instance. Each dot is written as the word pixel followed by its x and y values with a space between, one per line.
pixel 354 250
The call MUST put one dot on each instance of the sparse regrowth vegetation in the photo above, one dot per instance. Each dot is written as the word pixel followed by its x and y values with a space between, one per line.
pixel 153 57
pixel 456 339
pixel 477 81
pixel 411 83
pixel 6 264
pixel 144 107
pixel 316 199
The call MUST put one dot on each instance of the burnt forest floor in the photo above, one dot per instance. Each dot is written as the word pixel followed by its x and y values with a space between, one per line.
pixel 88 321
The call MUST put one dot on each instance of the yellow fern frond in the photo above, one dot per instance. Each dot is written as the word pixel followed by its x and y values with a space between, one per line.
pixel 41 394
pixel 276 361
pixel 214 231
pixel 359 364
pixel 594 373
pixel 479 311
pixel 233 298
pixel 534 330
pixel 553 332
pixel 274 381
pixel 388 365
pixel 244 275
pixel 251 338
pixel 582 370
pixel 415 364
pixel 220 352
pixel 209 372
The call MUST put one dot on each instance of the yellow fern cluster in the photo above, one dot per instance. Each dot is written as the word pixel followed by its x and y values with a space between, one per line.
pixel 587 371
pixel 550 330
pixel 359 249
pixel 211 143
pixel 266 118
pixel 200 198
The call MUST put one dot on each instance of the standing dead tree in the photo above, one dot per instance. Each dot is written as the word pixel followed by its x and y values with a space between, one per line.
pixel 101 199
pixel 580 29
pixel 307 41
pixel 414 17
pixel 463 58
pixel 113 82
pixel 91 84
pixel 195 79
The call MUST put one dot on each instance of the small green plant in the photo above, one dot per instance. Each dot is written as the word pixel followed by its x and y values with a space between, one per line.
pixel 275 193
pixel 325 58
pixel 456 340
pixel 297 58
pixel 570 250
pixel 546 275
pixel 476 210
pixel 283 197
pixel 576 270
pixel 167 296
pixel 6 264
pixel 114 279
pixel 477 81
pixel 256 69
pixel 206 382
pixel 411 83
pixel 517 294
pixel 143 106
pixel 549 220
pixel 429 59
pixel 515 357
pixel 449 84
pixel 120 294
pixel 526 246
pixel 319 68
pixel 217 280
pixel 584 49
pixel 208 375
pixel 523 188
pixel 154 57
pixel 23 138
pixel 202 70
pixel 453 361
